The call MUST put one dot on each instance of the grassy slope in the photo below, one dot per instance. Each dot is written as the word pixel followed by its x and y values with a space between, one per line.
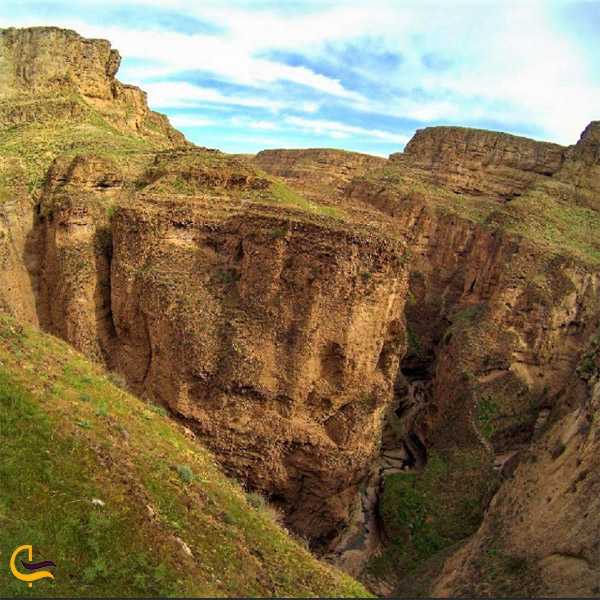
pixel 35 145
pixel 548 214
pixel 69 435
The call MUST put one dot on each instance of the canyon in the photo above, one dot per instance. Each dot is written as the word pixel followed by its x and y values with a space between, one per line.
pixel 400 354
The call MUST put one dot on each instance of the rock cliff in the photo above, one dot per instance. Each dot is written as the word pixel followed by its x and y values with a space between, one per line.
pixel 215 290
pixel 480 162
pixel 502 304
pixel 539 535
pixel 246 320
pixel 318 167
pixel 49 74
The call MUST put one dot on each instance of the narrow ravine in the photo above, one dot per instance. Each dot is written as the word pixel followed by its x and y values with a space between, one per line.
pixel 402 451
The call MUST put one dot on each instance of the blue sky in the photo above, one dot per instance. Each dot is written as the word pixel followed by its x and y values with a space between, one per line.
pixel 245 75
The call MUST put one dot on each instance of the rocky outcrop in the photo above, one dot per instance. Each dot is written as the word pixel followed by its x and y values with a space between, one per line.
pixel 276 339
pixel 49 59
pixel 540 534
pixel 321 167
pixel 49 74
pixel 480 162
pixel 273 333
pixel 497 320
pixel 582 166
pixel 18 243
pixel 76 209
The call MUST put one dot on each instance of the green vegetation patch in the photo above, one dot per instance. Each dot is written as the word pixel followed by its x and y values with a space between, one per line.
pixel 487 412
pixel 126 505
pixel 426 512
pixel 38 144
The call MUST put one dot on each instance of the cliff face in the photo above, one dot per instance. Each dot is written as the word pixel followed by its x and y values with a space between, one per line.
pixel 502 304
pixel 273 333
pixel 480 162
pixel 499 317
pixel 220 294
pixel 59 97
pixel 48 59
pixel 318 167
pixel 75 250
pixel 582 166
pixel 276 339
pixel 47 73
pixel 539 535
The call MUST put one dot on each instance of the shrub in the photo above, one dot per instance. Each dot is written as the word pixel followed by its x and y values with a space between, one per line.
pixel 185 473
pixel 159 410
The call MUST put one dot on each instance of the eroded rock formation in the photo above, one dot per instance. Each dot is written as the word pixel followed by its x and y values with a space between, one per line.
pixel 539 535
pixel 480 162
pixel 321 168
pixel 49 74
pixel 501 307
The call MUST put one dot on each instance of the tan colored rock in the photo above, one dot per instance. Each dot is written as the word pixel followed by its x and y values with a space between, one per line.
pixel 582 165
pixel 19 240
pixel 480 162
pixel 75 252
pixel 540 534
pixel 275 338
pixel 321 167
pixel 49 74
pixel 271 323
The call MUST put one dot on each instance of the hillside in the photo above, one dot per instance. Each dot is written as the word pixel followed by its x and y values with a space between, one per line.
pixel 171 524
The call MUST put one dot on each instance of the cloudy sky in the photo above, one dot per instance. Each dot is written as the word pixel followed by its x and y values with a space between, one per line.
pixel 246 75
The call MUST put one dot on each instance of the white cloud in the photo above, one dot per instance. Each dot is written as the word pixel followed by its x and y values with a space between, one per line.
pixel 507 62
pixel 182 94
pixel 262 125
pixel 342 130
pixel 188 121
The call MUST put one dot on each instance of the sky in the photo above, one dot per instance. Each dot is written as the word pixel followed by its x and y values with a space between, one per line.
pixel 251 74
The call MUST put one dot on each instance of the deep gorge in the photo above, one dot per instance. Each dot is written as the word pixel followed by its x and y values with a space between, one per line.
pixel 379 347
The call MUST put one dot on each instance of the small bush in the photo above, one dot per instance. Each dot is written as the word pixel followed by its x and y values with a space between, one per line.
pixel 159 410
pixel 116 379
pixel 413 340
pixel 256 500
pixel 587 365
pixel 185 473
pixel 515 564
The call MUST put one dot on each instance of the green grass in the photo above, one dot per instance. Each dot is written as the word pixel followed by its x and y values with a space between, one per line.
pixel 556 222
pixel 70 436
pixel 587 365
pixel 413 341
pixel 37 144
pixel 548 214
pixel 429 511
pixel 500 572
pixel 283 194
